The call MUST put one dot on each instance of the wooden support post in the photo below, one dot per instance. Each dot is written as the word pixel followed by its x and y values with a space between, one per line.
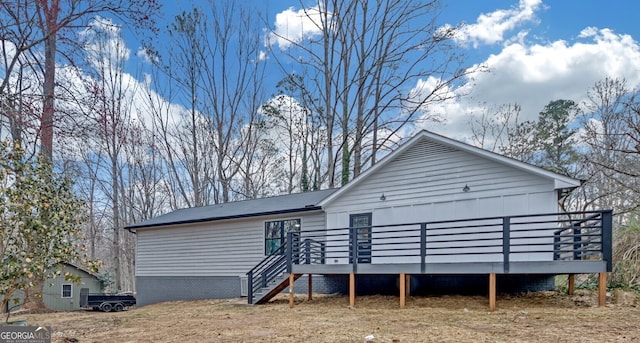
pixel 571 284
pixel 403 290
pixel 407 284
pixel 602 289
pixel 492 292
pixel 352 289
pixel 310 288
pixel 291 280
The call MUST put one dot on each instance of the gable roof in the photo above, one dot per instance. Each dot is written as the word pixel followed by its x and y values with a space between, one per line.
pixel 560 181
pixel 281 204
pixel 73 265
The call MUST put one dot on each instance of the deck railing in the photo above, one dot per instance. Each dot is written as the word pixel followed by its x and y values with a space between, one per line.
pixel 543 237
pixel 572 236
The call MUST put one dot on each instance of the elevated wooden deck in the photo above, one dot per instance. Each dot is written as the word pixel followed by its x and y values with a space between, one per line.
pixel 552 244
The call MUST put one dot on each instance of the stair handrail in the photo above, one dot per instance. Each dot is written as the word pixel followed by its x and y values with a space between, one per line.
pixel 268 264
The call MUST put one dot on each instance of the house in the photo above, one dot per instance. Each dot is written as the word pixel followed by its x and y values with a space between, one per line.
pixel 433 207
pixel 60 293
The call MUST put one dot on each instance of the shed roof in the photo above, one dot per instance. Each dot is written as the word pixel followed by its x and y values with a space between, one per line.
pixel 73 265
pixel 281 204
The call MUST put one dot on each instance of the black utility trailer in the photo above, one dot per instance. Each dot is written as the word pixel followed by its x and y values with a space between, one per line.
pixel 106 302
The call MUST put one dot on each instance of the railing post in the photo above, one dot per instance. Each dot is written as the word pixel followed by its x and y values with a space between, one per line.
pixel 556 246
pixel 607 241
pixel 354 248
pixel 307 247
pixel 423 247
pixel 506 242
pixel 250 287
pixel 577 239
pixel 289 249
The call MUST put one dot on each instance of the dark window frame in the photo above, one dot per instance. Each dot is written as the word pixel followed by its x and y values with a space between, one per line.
pixel 275 233
pixel 364 236
pixel 70 291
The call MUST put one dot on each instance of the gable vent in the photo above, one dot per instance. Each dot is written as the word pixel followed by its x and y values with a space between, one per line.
pixel 426 149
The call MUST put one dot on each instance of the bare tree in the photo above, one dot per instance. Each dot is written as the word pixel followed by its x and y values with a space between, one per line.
pixel 218 74
pixel 232 88
pixel 363 63
pixel 111 124
pixel 502 130
pixel 188 32
pixel 611 133
pixel 33 25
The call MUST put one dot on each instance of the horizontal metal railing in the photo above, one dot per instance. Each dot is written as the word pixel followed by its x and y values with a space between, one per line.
pixel 558 236
pixel 267 270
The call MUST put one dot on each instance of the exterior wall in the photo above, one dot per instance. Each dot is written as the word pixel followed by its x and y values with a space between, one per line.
pixel 426 183
pixel 154 289
pixel 207 257
pixel 52 290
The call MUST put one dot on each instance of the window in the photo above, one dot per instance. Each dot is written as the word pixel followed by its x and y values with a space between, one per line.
pixel 67 290
pixel 275 233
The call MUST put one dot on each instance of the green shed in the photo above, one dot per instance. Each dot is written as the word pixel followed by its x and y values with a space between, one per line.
pixel 64 295
pixel 60 294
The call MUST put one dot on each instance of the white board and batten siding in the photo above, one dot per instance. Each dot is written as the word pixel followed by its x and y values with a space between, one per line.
pixel 425 183
pixel 218 248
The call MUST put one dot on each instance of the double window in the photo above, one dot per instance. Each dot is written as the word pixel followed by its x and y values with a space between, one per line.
pixel 275 233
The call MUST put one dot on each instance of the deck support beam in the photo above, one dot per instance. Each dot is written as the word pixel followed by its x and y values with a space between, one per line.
pixel 492 292
pixel 291 298
pixel 571 284
pixel 310 287
pixel 403 290
pixel 602 289
pixel 352 289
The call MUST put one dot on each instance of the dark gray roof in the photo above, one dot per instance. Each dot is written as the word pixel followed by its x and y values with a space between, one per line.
pixel 239 209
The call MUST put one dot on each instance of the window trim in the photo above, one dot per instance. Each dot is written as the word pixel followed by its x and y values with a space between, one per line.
pixel 282 235
pixel 70 291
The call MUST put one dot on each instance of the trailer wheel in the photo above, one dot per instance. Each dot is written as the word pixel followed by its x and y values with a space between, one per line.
pixel 118 307
pixel 105 307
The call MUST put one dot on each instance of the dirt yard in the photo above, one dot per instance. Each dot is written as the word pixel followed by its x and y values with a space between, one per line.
pixel 535 317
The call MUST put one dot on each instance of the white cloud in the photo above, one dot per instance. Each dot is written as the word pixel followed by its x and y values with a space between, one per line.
pixel 262 55
pixel 490 28
pixel 536 74
pixel 104 44
pixel 293 26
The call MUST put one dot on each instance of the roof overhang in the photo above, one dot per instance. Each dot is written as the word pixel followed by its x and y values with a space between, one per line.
pixel 133 228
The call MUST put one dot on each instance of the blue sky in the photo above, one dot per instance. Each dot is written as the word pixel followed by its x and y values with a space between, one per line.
pixel 536 50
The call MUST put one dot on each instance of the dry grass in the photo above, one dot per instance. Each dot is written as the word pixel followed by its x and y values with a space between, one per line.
pixel 535 317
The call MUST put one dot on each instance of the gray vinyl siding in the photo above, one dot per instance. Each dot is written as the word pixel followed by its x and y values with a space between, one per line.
pixel 216 249
pixel 434 174
pixel 425 183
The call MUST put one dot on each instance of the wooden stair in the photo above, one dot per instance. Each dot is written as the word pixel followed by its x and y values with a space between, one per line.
pixel 272 289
